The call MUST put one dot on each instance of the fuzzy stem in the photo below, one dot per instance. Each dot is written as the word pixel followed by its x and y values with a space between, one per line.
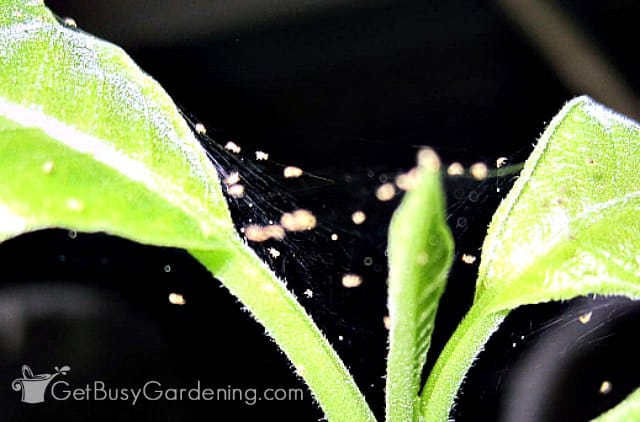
pixel 463 347
pixel 285 320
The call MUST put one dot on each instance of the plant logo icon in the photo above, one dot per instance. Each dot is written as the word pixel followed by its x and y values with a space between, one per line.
pixel 32 386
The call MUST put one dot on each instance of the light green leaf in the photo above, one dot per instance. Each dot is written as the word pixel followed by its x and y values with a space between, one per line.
pixel 91 143
pixel 627 410
pixel 570 224
pixel 569 227
pixel 420 251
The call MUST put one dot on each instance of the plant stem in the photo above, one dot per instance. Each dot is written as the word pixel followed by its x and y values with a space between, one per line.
pixel 465 344
pixel 285 320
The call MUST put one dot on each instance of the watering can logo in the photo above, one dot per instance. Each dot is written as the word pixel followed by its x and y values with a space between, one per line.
pixel 32 386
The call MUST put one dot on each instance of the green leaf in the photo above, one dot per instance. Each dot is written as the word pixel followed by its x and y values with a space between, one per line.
pixel 89 142
pixel 569 227
pixel 420 252
pixel 570 224
pixel 627 410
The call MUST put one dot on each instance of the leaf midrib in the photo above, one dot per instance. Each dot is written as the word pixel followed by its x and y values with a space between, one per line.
pixel 103 152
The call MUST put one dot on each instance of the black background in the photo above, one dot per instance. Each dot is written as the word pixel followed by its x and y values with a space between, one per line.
pixel 345 92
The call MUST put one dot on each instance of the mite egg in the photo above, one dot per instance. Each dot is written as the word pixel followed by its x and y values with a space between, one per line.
pixel 468 259
pixel 177 299
pixel 291 172
pixel 385 192
pixel 455 169
pixel 479 171
pixel 298 220
pixel 233 147
pixel 351 280
pixel 358 217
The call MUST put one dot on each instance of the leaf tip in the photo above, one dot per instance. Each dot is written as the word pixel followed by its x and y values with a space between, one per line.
pixel 428 159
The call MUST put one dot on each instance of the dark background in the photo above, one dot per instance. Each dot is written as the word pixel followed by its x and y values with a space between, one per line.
pixel 346 90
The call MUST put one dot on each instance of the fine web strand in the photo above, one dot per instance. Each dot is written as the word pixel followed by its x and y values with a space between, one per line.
pixel 337 268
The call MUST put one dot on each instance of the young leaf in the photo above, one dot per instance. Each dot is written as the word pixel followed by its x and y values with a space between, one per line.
pixel 570 224
pixel 89 142
pixel 568 227
pixel 627 410
pixel 420 252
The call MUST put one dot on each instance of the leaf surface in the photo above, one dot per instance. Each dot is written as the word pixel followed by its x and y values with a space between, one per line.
pixel 570 226
pixel 420 252
pixel 89 142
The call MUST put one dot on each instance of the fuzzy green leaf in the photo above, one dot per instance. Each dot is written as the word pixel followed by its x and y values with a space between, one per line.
pixel 89 142
pixel 420 251
pixel 569 227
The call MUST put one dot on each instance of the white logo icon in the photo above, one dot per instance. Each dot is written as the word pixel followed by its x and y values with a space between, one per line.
pixel 32 386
